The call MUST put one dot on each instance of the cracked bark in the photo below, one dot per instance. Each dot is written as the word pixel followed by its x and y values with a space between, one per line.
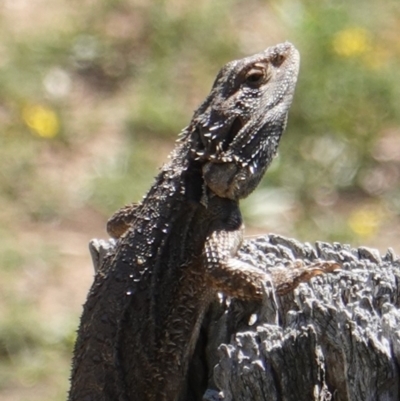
pixel 334 338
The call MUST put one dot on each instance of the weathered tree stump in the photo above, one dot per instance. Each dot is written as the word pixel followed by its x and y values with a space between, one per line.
pixel 335 338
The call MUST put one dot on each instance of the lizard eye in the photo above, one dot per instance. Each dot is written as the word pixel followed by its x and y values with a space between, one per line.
pixel 255 77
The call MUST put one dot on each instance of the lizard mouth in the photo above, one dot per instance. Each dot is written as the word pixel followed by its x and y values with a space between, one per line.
pixel 215 140
pixel 235 127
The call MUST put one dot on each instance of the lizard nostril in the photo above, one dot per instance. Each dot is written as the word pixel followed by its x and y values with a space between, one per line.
pixel 278 60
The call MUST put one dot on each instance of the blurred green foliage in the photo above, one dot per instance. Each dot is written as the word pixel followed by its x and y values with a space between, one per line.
pixel 93 93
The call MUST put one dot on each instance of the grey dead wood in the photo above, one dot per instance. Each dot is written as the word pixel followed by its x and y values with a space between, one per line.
pixel 334 338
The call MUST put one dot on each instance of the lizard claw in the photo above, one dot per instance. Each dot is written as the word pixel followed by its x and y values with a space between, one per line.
pixel 287 278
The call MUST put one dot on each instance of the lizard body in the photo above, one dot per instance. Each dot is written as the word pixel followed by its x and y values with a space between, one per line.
pixel 177 247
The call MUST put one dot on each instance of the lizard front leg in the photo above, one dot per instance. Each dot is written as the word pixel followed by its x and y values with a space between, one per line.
pixel 117 225
pixel 239 279
pixel 121 220
pixel 228 274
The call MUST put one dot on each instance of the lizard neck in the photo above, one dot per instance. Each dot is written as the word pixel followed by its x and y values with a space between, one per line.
pixel 166 248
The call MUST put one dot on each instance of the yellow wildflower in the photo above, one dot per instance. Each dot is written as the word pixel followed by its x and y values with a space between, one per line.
pixel 365 222
pixel 42 120
pixel 351 42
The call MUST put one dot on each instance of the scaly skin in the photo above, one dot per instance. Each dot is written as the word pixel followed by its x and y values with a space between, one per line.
pixel 142 316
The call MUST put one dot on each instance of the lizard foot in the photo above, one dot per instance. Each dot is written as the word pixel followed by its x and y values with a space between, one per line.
pixel 286 278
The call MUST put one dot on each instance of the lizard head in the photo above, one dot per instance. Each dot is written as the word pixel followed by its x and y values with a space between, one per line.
pixel 235 133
